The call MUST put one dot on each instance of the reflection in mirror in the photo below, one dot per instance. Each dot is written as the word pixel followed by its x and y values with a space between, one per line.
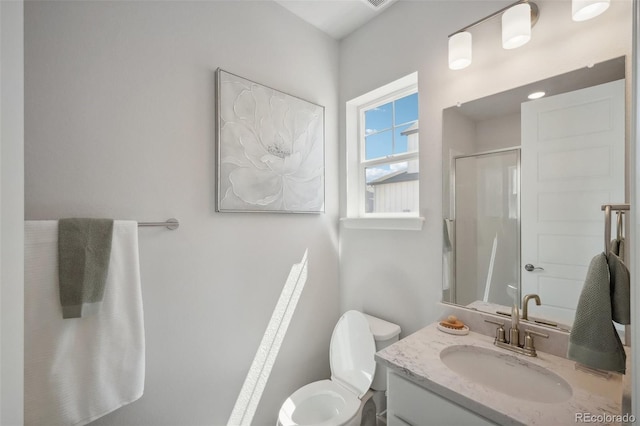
pixel 486 208
pixel 522 188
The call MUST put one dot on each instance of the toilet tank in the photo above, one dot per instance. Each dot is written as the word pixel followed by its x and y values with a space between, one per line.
pixel 384 333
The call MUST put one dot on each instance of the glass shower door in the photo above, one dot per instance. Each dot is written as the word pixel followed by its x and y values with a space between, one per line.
pixel 486 239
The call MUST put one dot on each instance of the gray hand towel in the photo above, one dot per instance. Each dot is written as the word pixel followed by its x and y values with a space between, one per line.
pixel 84 249
pixel 620 290
pixel 593 340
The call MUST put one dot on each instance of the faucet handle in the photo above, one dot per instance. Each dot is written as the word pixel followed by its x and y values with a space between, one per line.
pixel 528 341
pixel 500 333
pixel 536 333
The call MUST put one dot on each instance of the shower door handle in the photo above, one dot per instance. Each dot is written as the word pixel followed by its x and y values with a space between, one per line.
pixel 530 268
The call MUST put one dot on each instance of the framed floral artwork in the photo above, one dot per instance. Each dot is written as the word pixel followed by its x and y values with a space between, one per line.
pixel 269 148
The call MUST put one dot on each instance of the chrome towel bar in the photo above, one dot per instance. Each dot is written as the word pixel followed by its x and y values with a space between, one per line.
pixel 170 224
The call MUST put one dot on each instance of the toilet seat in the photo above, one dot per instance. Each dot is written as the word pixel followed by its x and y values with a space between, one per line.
pixel 351 353
pixel 336 401
pixel 321 403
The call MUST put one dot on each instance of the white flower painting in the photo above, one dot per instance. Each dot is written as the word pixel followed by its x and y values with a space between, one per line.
pixel 270 149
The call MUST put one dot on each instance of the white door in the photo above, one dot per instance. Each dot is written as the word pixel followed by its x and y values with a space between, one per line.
pixel 572 162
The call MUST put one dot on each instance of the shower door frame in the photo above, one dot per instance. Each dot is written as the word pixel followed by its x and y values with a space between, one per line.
pixel 453 288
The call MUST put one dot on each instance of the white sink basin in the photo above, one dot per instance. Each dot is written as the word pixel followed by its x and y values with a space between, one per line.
pixel 506 373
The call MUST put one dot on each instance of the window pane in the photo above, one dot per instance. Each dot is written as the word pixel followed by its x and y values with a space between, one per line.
pixel 382 171
pixel 407 142
pixel 406 109
pixel 379 145
pixel 378 118
pixel 392 188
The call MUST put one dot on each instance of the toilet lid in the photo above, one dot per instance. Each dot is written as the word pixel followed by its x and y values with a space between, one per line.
pixel 351 353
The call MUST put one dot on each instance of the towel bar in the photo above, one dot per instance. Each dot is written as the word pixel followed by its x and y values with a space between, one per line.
pixel 607 221
pixel 170 224
pixel 607 241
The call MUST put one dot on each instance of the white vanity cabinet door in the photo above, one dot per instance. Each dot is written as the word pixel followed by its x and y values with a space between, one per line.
pixel 412 405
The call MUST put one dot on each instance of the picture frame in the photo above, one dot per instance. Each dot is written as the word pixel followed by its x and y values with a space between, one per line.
pixel 269 149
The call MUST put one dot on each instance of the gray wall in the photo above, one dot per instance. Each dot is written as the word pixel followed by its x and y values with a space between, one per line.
pixel 120 123
pixel 11 211
pixel 498 133
pixel 397 275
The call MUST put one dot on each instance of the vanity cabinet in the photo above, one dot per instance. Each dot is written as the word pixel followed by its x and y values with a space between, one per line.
pixel 409 404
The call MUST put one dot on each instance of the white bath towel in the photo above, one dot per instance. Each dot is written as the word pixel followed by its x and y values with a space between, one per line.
pixel 79 369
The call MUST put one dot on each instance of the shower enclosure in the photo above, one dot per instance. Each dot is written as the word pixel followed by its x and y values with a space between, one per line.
pixel 482 238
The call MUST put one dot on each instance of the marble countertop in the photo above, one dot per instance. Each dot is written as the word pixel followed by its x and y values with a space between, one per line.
pixel 417 358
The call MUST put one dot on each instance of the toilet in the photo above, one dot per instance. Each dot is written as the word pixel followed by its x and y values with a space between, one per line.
pixel 356 379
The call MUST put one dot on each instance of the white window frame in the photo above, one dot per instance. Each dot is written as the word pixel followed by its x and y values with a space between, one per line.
pixel 356 217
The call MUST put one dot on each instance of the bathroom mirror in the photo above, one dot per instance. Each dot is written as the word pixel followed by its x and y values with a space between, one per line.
pixel 523 185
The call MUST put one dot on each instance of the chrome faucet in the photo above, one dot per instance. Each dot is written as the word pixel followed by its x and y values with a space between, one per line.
pixel 525 304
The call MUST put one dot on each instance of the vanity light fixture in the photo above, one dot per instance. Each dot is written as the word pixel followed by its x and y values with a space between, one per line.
pixel 581 10
pixel 516 26
pixel 460 50
pixel 517 20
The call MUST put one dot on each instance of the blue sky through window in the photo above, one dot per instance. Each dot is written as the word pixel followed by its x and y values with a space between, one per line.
pixel 384 125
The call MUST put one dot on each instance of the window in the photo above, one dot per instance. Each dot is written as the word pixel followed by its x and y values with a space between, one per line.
pixel 389 155
pixel 382 153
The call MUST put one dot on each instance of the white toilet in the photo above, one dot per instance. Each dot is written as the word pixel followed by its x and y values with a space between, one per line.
pixel 338 401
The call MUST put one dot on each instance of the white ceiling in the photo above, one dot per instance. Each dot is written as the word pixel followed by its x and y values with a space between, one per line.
pixel 338 18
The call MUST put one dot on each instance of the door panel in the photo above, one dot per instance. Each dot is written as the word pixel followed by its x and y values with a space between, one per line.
pixel 572 163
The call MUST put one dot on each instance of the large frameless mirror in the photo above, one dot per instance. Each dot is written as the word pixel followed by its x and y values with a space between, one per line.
pixel 524 181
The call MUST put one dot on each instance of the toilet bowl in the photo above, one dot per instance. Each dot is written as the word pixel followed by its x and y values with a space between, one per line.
pixel 320 403
pixel 339 401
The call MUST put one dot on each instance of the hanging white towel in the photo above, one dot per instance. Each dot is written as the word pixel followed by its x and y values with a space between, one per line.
pixel 77 370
